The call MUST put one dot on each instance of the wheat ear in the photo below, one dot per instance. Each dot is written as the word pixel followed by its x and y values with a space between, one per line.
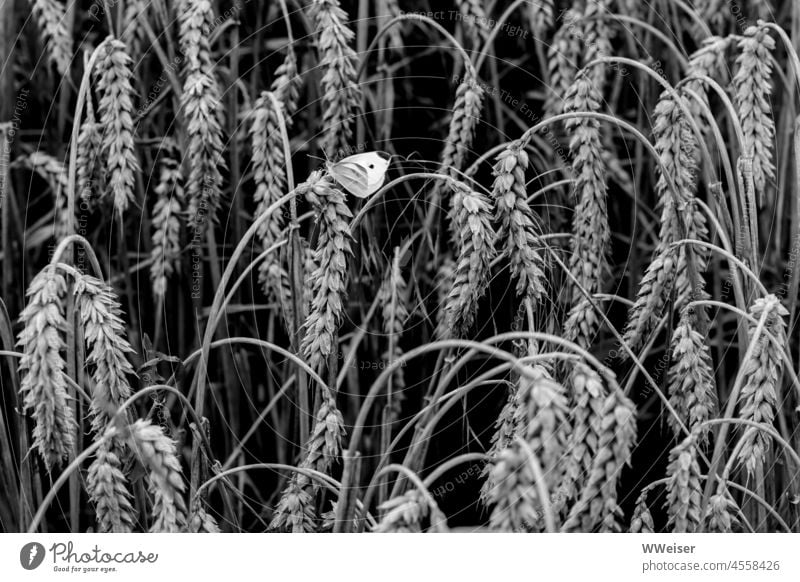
pixel 114 72
pixel 758 401
pixel 473 18
pixel 341 94
pixel 201 105
pixel 683 488
pixel 407 513
pixel 156 452
pixel 691 388
pixel 166 224
pixel 89 156
pixel 519 227
pixel 540 15
pixel 598 501
pixel 329 281
pixel 752 89
pixel 676 147
pixel 44 386
pixel 642 520
pixel 51 16
pixel 54 173
pixel 474 238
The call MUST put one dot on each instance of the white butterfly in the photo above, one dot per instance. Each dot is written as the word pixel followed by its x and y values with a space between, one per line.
pixel 361 174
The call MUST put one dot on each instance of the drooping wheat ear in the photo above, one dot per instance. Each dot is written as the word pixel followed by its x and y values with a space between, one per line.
pixel 677 148
pixel 394 298
pixel 758 401
pixel 540 16
pixel 713 13
pixel 329 280
pixel 133 33
pixel 295 510
pixel 113 73
pixel 519 227
pixel 156 451
pixel 691 387
pixel 201 106
pixel 341 94
pixel 407 513
pixel 563 57
pixel 286 85
pixel 89 156
pixel 107 349
pixel 269 174
pixel 517 416
pixel 473 18
pixel 598 501
pixel 642 520
pixel 709 61
pixel 44 387
pixel 167 214
pixel 596 37
pixel 54 172
pixel 541 419
pixel 591 234
pixel 445 276
pixel 588 395
pixel 474 238
pixel 325 443
pixel 51 17
pixel 465 118
pixel 683 488
pixel 753 89
pixel 107 486
pixel 506 430
pixel 721 514
pixel 107 346
pixel 200 521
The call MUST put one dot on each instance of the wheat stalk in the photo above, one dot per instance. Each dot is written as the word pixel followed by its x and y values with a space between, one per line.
pixel 683 488
pixel 166 225
pixel 471 212
pixel 752 89
pixel 758 401
pixel 691 388
pixel 394 297
pixel 341 94
pixel 51 16
pixel 201 105
pixel 156 452
pixel 43 384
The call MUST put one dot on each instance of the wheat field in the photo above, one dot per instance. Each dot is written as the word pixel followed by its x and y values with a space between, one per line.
pixel 570 304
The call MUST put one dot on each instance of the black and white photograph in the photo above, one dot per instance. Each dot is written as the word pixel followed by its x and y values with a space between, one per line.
pixel 458 267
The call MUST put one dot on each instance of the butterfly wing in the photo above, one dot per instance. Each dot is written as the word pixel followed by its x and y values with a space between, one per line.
pixel 351 177
pixel 374 165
